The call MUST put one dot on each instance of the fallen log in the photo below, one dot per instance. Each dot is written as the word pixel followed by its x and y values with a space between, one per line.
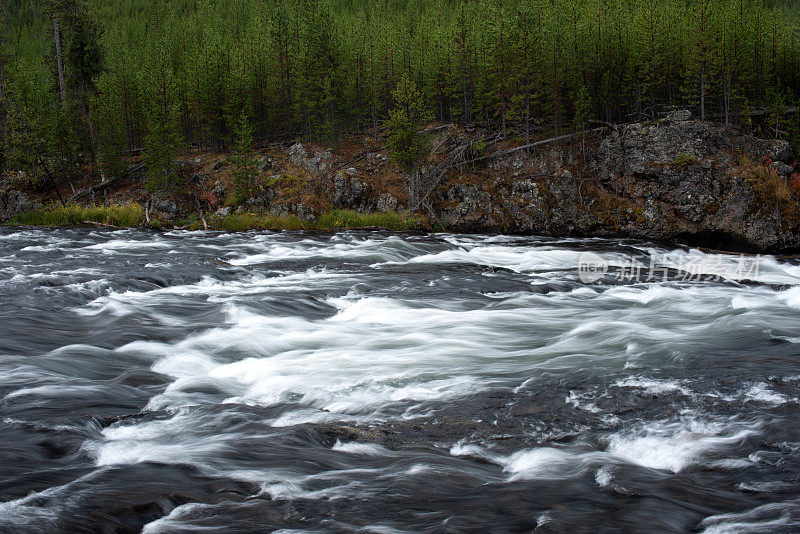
pixel 104 184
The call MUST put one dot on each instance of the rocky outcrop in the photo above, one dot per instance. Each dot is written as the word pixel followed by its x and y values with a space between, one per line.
pixel 315 163
pixel 14 203
pixel 676 179
pixel 350 192
pixel 696 182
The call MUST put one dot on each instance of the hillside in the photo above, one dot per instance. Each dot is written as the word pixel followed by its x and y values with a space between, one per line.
pixel 89 82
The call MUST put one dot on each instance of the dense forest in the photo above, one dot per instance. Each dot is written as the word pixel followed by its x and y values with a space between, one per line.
pixel 84 84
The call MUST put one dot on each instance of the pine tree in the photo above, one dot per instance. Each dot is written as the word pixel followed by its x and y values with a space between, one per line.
pixel 583 114
pixel 4 57
pixel 85 60
pixel 409 145
pixel 243 160
pixel 162 138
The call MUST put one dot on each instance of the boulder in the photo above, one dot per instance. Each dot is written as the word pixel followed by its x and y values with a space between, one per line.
pixel 222 212
pixel 350 192
pixel 14 203
pixel 679 115
pixel 164 207
pixel 387 202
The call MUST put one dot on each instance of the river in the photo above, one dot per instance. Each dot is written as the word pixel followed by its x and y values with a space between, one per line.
pixel 378 382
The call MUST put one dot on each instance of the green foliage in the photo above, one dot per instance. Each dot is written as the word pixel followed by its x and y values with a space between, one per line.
pixel 776 109
pixel 408 144
pixel 84 54
pixel 162 138
pixel 583 108
pixel 154 75
pixel 74 215
pixel 131 215
pixel 354 219
pixel 243 159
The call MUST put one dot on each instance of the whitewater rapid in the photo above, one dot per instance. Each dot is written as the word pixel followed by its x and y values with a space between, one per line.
pixel 377 382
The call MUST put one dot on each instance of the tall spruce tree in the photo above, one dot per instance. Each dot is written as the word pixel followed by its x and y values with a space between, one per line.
pixel 409 145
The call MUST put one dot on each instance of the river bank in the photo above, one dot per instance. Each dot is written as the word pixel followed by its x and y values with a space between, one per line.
pixel 133 215
pixel 673 180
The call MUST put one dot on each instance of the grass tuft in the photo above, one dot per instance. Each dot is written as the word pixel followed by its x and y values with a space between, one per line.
pixel 129 215
pixel 74 215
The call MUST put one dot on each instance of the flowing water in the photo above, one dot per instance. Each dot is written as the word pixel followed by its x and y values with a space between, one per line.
pixel 375 382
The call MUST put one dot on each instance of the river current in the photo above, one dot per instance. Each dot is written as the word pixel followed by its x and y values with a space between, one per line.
pixel 377 382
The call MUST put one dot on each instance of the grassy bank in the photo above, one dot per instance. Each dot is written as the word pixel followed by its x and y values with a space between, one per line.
pixel 132 215
pixel 74 215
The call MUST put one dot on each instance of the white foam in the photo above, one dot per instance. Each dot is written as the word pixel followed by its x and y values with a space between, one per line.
pixel 760 392
pixel 364 449
pixel 579 401
pixel 762 519
pixel 765 269
pixel 176 519
pixel 653 386
pixel 468 449
pixel 379 250
pixel 674 446
pixel 604 476
pixel 549 463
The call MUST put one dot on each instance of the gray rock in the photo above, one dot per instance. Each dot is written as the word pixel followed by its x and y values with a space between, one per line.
pixel 14 203
pixel 219 191
pixel 781 151
pixel 377 159
pixel 349 192
pixel 164 206
pixel 279 210
pixel 303 212
pixel 679 115
pixel 315 164
pixel 297 154
pixel 264 163
pixel 222 212
pixel 678 180
pixel 387 202
pixel 782 168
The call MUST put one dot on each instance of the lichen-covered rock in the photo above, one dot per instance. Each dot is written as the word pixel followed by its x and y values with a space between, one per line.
pixel 472 209
pixel 387 202
pixel 164 208
pixel 315 164
pixel 303 212
pixel 279 210
pixel 349 192
pixel 679 115
pixel 222 212
pixel 264 163
pixel 297 154
pixel 677 179
pixel 14 203
pixel 709 185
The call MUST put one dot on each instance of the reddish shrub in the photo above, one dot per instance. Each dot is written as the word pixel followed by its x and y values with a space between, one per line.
pixel 794 183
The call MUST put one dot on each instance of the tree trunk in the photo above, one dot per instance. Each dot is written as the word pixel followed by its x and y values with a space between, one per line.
pixel 3 124
pixel 59 64
pixel 87 116
pixel 703 93
pixel 727 101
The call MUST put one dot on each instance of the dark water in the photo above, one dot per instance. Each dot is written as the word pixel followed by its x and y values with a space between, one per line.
pixel 367 382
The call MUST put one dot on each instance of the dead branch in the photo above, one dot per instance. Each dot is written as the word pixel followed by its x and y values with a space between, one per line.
pixel 104 184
